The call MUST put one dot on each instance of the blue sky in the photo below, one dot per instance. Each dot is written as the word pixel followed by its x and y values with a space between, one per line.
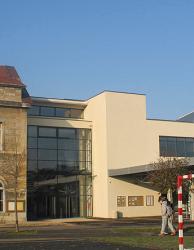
pixel 77 48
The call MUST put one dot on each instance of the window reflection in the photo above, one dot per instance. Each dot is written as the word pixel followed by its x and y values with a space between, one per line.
pixel 67 133
pixel 58 159
pixel 45 154
pixel 176 146
pixel 32 131
pixel 47 132
pixel 47 111
pixel 35 110
pixel 48 143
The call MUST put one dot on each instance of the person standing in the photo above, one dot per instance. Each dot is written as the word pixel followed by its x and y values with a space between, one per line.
pixel 167 213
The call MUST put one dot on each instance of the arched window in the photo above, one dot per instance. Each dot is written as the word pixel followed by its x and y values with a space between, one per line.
pixel 1 197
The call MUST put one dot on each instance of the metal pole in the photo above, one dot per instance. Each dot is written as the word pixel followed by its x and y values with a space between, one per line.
pixel 180 212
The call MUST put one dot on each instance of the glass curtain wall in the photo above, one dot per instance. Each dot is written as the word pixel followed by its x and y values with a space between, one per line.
pixel 59 172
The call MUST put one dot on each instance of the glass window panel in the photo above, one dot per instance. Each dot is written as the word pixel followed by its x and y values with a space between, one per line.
pixel 67 113
pixel 32 142
pixel 60 112
pixel 63 112
pixel 84 133
pixel 76 113
pixel 85 165
pixel 85 145
pixel 32 154
pixel 47 132
pixel 67 155
pixel 163 148
pixel 71 155
pixel 68 144
pixel 189 148
pixel 51 165
pixel 61 155
pixel 171 139
pixel 1 195
pixel 66 166
pixel 1 206
pixel 171 148
pixel 89 166
pixel 82 144
pixel 47 111
pixel 63 164
pixel 180 147
pixel 82 155
pixel 88 155
pixel 47 143
pixel 67 133
pixel 34 110
pixel 88 145
pixel 32 131
pixel 189 139
pixel 47 154
pixel 32 165
pixel 62 143
pixel 176 146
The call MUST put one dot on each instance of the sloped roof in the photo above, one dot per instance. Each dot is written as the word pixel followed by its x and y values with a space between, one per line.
pixel 10 77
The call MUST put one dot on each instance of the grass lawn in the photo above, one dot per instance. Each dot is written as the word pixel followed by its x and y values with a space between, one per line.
pixel 146 237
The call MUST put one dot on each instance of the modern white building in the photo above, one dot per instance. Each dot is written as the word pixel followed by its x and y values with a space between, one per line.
pixel 123 145
pixel 86 158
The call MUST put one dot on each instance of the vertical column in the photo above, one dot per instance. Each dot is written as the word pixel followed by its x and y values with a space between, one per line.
pixel 180 212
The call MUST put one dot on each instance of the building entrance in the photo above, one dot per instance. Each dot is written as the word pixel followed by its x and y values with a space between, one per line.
pixel 58 201
pixel 59 173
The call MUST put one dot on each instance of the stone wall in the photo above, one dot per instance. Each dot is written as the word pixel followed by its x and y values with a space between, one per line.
pixel 13 122
pixel 10 94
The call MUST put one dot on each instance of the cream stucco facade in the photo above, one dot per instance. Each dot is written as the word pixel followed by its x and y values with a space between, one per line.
pixel 124 138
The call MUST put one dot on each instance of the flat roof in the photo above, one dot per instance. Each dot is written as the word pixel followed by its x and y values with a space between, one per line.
pixel 58 101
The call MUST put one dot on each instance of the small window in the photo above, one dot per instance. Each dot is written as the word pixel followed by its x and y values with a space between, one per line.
pixel 176 146
pixel 63 112
pixel 47 111
pixel 1 136
pixel 34 110
pixel 1 197
pixel 77 113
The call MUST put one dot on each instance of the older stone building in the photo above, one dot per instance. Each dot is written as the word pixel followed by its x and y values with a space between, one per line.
pixel 13 134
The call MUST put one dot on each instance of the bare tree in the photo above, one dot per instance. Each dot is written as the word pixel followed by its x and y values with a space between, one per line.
pixel 165 172
pixel 12 169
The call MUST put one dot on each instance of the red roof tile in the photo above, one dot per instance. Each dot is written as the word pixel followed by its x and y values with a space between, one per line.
pixel 10 77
